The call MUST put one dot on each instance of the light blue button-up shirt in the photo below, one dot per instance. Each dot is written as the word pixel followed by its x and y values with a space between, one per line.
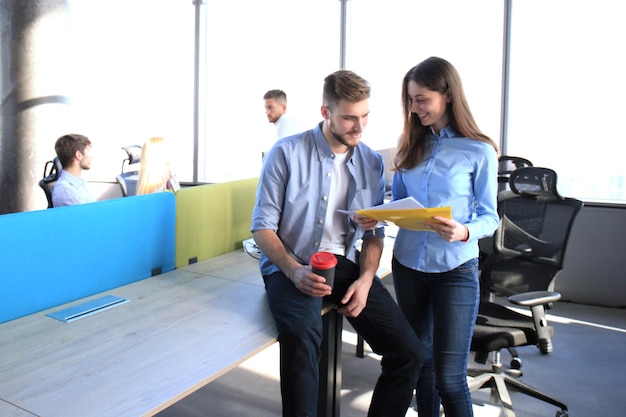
pixel 70 190
pixel 461 173
pixel 292 197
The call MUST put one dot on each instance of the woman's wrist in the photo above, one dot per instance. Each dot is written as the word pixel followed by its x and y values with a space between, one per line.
pixel 466 234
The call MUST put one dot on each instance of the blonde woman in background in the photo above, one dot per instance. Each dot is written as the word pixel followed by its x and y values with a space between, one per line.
pixel 155 174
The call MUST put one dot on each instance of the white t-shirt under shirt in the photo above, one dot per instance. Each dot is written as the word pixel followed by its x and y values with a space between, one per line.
pixel 336 224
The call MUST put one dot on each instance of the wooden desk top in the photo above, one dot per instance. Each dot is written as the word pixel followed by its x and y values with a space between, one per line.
pixel 8 410
pixel 141 356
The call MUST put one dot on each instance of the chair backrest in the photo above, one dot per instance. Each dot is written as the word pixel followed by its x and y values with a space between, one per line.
pixel 51 172
pixel 506 165
pixel 128 178
pixel 128 182
pixel 530 242
pixel 134 157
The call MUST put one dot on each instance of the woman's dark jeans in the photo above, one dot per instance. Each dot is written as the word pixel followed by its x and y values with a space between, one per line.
pixel 441 308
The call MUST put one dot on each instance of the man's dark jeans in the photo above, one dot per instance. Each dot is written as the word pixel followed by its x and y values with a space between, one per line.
pixel 382 325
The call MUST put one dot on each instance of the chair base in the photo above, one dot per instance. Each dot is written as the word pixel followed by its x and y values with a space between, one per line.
pixel 498 381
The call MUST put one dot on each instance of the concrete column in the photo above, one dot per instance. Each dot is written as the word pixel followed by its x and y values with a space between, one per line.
pixel 34 107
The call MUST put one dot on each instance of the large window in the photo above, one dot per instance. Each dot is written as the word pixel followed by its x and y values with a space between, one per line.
pixel 387 38
pixel 566 94
pixel 252 47
pixel 132 78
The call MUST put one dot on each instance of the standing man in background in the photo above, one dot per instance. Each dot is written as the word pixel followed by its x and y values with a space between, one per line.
pixel 276 112
pixel 74 152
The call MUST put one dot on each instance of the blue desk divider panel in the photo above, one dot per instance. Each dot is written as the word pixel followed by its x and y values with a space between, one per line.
pixel 55 256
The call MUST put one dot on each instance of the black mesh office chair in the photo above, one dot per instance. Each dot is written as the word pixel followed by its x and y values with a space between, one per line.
pixel 506 165
pixel 129 176
pixel 528 253
pixel 51 172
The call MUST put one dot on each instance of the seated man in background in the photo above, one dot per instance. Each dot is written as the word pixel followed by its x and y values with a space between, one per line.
pixel 74 152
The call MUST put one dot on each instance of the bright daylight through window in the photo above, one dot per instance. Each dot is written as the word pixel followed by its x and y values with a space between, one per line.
pixel 566 77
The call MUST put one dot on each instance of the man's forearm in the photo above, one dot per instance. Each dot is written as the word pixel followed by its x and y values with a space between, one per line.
pixel 271 245
pixel 369 259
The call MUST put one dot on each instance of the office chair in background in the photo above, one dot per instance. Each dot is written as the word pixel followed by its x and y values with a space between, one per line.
pixel 528 252
pixel 128 178
pixel 506 165
pixel 51 172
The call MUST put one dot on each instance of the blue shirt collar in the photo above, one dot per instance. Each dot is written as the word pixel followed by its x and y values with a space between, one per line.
pixel 323 150
pixel 446 132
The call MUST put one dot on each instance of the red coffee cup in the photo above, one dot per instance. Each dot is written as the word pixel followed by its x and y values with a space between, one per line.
pixel 323 264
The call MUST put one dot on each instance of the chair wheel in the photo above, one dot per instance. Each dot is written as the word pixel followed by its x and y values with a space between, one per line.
pixel 562 413
pixel 516 363
pixel 545 346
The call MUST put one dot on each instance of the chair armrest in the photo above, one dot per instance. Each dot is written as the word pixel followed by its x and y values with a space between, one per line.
pixel 538 301
pixel 534 298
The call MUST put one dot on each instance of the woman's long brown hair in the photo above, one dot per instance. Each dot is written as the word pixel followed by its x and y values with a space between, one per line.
pixel 435 74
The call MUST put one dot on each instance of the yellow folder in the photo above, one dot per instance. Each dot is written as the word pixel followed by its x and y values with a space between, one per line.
pixel 412 219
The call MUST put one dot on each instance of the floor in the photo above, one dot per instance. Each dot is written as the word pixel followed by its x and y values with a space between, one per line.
pixel 587 371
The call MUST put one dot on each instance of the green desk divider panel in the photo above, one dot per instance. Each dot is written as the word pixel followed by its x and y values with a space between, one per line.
pixel 213 219
pixel 56 256
pixel 87 308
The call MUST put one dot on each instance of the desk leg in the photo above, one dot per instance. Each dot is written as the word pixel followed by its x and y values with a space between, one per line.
pixel 360 346
pixel 330 366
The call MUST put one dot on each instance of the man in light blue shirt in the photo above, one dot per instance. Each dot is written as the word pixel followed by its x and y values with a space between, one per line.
pixel 74 152
pixel 305 180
